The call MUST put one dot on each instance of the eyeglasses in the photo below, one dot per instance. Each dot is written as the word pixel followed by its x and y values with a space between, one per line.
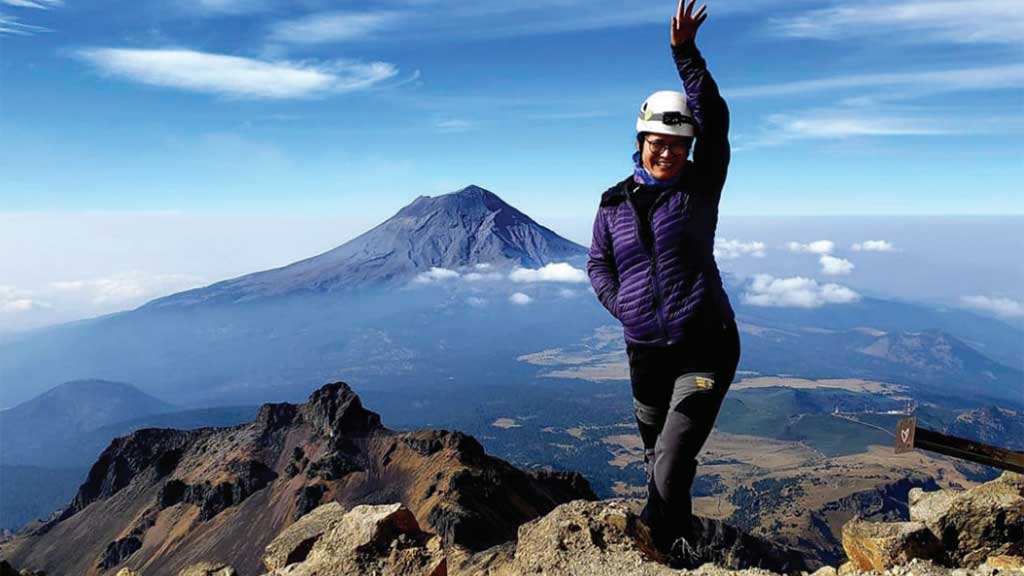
pixel 677 148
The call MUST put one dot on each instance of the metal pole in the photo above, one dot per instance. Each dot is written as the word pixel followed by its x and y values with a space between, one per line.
pixel 909 436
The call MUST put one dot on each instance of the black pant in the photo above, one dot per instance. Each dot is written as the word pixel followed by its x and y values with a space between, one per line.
pixel 677 393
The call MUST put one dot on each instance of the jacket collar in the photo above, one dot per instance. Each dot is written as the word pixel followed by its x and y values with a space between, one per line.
pixel 617 193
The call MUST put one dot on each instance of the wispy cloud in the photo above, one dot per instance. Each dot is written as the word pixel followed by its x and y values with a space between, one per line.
pixel 235 76
pixel 905 83
pixel 332 27
pixel 231 7
pixel 1004 307
pixel 733 249
pixel 796 292
pixel 873 246
pixel 835 266
pixel 10 26
pixel 14 300
pixel 836 124
pixel 39 4
pixel 452 125
pixel 917 21
pixel 127 288
pixel 816 247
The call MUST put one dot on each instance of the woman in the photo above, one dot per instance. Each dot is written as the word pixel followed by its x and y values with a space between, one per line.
pixel 652 266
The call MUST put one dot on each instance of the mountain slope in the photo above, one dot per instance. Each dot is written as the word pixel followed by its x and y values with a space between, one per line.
pixel 464 228
pixel 158 500
pixel 33 432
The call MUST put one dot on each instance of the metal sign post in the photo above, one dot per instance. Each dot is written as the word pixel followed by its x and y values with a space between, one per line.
pixel 909 436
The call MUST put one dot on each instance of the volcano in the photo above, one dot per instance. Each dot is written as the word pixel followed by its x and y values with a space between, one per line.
pixel 462 229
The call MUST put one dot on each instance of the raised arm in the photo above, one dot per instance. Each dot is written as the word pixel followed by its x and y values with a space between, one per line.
pixel 604 277
pixel 711 150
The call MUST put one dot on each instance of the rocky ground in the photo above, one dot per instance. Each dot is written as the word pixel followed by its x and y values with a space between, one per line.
pixel 950 532
pixel 977 532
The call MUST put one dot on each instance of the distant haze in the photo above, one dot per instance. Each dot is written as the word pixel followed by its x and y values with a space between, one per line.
pixel 62 267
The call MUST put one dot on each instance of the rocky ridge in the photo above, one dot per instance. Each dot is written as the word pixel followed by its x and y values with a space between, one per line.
pixel 351 497
pixel 160 500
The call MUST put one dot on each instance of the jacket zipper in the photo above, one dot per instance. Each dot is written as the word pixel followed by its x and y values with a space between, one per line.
pixel 652 256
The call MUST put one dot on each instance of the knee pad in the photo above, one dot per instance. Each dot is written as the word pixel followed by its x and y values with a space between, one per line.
pixel 693 383
pixel 650 415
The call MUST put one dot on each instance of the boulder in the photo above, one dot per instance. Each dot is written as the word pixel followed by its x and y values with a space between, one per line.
pixel 208 569
pixel 878 546
pixel 972 525
pixel 295 542
pixel 1005 563
pixel 382 540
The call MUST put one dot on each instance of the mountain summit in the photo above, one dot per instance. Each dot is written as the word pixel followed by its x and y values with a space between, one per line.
pixel 467 227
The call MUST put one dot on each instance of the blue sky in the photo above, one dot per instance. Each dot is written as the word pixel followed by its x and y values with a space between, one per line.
pixel 346 111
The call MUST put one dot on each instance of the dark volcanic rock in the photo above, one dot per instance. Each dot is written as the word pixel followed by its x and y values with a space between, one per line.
pixel 334 411
pixel 126 458
pixel 119 550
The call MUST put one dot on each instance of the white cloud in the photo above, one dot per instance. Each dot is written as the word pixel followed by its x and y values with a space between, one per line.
pixel 567 293
pixel 328 27
pixel 232 6
pixel 873 246
pixel 839 124
pixel 235 76
pixel 452 125
pixel 435 274
pixel 476 301
pixel 40 4
pixel 558 272
pixel 816 247
pixel 10 26
pixel 520 299
pixel 483 266
pixel 796 292
pixel 978 21
pixel 126 288
pixel 914 83
pixel 482 277
pixel 14 300
pixel 1005 307
pixel 834 266
pixel 733 249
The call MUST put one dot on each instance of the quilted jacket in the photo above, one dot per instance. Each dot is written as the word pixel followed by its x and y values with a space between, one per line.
pixel 667 294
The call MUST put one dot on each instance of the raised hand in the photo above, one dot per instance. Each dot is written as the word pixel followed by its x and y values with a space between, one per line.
pixel 685 23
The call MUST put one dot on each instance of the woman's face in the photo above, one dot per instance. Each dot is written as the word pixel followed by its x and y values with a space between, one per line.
pixel 663 155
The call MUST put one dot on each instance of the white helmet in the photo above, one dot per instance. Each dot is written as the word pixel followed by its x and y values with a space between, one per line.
pixel 666 112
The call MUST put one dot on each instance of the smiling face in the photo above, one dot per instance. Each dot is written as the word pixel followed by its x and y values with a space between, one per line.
pixel 664 155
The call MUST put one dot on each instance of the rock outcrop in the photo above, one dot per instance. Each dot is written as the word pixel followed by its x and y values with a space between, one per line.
pixel 159 501
pixel 964 529
pixel 578 538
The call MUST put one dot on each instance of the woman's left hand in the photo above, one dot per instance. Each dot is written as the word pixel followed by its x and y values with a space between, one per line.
pixel 684 25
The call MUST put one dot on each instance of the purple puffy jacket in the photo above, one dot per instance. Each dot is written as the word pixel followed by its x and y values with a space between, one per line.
pixel 668 296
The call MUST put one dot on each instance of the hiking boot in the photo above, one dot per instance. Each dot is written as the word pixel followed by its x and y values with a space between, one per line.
pixel 681 555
